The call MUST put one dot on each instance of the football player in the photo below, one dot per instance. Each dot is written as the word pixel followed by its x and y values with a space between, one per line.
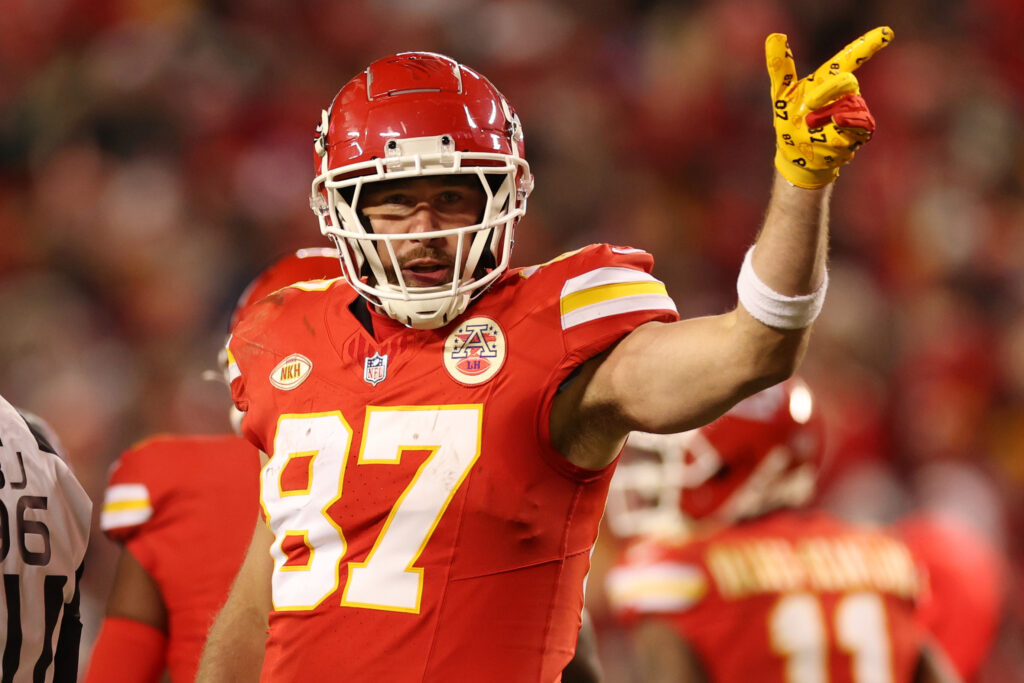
pixel 744 581
pixel 963 606
pixel 44 532
pixel 441 428
pixel 182 507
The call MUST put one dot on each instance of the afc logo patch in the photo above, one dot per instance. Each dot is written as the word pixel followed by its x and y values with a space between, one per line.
pixel 475 351
pixel 375 369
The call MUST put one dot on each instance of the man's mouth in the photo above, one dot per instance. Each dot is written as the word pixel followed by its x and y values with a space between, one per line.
pixel 426 273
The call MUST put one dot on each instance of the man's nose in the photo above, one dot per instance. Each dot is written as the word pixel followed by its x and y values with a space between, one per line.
pixel 423 218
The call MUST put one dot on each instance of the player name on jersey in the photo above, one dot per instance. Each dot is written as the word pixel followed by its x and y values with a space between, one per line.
pixel 771 565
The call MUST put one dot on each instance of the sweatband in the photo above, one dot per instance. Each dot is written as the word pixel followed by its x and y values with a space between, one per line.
pixel 774 309
pixel 127 650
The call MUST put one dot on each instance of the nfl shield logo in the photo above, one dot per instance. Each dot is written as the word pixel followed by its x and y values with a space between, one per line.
pixel 375 369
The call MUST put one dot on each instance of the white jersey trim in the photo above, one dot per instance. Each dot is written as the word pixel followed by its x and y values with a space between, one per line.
pixel 662 587
pixel 605 276
pixel 644 302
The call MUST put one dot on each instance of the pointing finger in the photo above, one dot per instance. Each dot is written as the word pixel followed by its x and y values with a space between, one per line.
pixel 856 53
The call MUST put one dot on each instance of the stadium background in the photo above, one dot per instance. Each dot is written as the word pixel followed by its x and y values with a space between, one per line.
pixel 154 156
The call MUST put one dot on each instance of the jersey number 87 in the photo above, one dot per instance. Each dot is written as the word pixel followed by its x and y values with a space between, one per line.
pixel 388 578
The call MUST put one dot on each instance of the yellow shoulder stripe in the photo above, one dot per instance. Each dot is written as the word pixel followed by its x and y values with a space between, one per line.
pixel 596 295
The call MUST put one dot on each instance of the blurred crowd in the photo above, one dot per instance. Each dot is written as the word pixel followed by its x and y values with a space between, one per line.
pixel 155 156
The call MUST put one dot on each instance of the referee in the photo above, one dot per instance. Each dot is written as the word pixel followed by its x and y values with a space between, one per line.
pixel 44 530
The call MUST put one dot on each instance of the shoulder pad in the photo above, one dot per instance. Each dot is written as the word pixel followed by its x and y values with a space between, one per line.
pixel 128 499
pixel 602 281
pixel 126 507
pixel 594 254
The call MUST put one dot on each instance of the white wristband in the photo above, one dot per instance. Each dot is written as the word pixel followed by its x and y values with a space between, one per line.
pixel 772 308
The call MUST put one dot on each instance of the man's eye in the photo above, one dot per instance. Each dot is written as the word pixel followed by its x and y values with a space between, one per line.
pixel 398 199
pixel 450 197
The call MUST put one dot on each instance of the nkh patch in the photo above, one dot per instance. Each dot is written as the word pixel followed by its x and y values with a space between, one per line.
pixel 475 351
pixel 291 372
pixel 375 369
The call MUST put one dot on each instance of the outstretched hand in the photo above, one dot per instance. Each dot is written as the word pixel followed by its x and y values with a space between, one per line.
pixel 821 119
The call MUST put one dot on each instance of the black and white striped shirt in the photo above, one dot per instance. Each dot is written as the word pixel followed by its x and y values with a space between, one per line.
pixel 44 531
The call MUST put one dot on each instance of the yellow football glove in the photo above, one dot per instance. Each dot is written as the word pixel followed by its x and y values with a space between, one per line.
pixel 821 119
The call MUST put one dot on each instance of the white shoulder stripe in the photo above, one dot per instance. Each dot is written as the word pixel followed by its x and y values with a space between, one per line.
pixel 119 493
pixel 663 587
pixel 605 276
pixel 125 505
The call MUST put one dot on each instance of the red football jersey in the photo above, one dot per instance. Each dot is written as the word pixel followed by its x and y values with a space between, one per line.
pixel 963 604
pixel 426 529
pixel 790 597
pixel 184 506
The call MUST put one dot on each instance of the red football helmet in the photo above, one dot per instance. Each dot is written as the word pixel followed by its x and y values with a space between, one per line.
pixel 419 114
pixel 309 268
pixel 303 265
pixel 763 454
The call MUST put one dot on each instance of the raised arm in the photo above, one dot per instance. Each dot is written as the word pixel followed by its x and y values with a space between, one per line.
pixel 234 647
pixel 666 378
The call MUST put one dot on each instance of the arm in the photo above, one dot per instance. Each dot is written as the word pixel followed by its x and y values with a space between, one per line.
pixel 666 378
pixel 133 637
pixel 234 647
pixel 663 657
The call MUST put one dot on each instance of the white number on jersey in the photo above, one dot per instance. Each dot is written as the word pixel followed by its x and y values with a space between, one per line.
pixel 797 630
pixel 388 578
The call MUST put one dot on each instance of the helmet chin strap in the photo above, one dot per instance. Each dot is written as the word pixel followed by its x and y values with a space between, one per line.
pixel 425 314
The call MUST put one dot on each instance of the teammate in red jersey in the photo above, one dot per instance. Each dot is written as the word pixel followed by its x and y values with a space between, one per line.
pixel 182 506
pixel 966 586
pixel 747 583
pixel 441 428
